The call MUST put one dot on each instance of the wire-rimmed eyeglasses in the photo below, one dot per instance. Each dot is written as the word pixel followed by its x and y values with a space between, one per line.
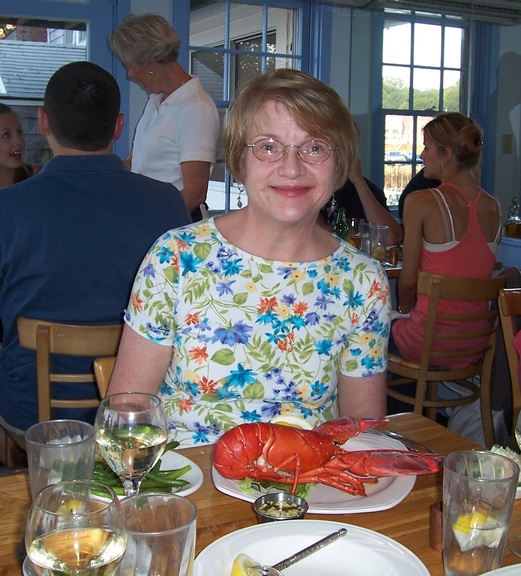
pixel 311 152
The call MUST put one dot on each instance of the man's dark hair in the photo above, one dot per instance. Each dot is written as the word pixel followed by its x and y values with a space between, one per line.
pixel 82 104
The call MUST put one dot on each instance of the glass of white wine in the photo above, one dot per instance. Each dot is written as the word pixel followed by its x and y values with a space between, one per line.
pixel 515 542
pixel 76 528
pixel 131 432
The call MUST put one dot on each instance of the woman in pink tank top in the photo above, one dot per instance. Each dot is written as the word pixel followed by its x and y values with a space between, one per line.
pixel 452 230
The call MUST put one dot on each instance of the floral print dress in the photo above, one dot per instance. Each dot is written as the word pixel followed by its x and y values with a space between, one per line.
pixel 253 338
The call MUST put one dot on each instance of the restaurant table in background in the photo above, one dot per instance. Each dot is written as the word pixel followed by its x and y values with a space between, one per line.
pixel 219 514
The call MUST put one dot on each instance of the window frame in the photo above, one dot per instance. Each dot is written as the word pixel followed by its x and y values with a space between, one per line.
pixel 381 113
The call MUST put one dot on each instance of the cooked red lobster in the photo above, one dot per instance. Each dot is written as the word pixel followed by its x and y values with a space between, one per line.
pixel 294 456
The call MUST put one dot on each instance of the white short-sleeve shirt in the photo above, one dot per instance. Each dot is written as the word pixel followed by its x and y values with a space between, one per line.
pixel 184 127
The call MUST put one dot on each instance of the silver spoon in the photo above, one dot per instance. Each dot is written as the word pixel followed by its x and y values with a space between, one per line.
pixel 275 569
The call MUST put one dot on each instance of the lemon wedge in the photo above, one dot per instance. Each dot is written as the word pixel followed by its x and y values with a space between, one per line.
pixel 379 253
pixel 477 529
pixel 290 420
pixel 242 566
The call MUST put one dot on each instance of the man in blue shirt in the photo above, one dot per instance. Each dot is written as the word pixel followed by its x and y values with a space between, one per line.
pixel 73 236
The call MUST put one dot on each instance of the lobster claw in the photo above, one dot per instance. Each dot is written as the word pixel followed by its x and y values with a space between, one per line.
pixel 340 430
pixel 381 463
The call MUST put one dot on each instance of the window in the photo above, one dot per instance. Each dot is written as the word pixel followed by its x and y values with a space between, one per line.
pixel 31 51
pixel 229 42
pixel 423 72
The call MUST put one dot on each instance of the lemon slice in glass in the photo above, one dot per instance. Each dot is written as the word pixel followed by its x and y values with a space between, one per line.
pixel 379 253
pixel 477 529
pixel 242 566
pixel 290 420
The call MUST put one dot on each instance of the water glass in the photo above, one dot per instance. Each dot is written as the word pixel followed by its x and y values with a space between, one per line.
pixel 365 236
pixel 379 235
pixel 479 490
pixel 59 450
pixel 161 535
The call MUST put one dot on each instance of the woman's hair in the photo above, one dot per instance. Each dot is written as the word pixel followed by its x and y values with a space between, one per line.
pixel 315 106
pixel 5 109
pixel 460 134
pixel 143 38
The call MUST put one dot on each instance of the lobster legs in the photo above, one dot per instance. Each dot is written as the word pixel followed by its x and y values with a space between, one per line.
pixel 350 471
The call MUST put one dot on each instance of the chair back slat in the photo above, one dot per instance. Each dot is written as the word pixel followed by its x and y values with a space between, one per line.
pixel 48 338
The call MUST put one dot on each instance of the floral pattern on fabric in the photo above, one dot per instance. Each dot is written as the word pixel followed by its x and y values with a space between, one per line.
pixel 253 338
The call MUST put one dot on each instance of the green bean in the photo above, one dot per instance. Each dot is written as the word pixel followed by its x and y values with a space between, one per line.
pixel 172 445
pixel 156 479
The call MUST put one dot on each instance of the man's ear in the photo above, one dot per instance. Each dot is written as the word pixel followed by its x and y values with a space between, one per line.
pixel 43 121
pixel 120 122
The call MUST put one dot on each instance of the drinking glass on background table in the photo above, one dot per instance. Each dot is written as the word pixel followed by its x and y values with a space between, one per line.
pixel 131 432
pixel 479 489
pixel 365 236
pixel 379 235
pixel 161 532
pixel 59 450
pixel 76 528
pixel 354 235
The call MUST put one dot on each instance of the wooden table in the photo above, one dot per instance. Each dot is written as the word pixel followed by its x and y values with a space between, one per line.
pixel 218 514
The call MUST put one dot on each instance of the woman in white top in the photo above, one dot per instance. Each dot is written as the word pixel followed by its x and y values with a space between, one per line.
pixel 176 137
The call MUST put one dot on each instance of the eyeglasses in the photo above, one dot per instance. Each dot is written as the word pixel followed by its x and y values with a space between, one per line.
pixel 311 152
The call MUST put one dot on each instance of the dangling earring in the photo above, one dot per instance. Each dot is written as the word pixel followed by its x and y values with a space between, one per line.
pixel 241 190
pixel 151 73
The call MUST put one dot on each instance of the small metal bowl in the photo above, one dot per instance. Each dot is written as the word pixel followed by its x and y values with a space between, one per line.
pixel 279 506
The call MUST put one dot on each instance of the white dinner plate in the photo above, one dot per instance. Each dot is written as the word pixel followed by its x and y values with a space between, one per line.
pixel 173 460
pixel 322 499
pixel 360 552
pixel 514 570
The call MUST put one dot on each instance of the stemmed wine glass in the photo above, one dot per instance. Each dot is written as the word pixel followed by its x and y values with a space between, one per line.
pixel 515 542
pixel 131 432
pixel 75 528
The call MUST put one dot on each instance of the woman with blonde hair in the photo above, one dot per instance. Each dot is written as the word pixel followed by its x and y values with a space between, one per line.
pixel 261 311
pixel 176 137
pixel 452 230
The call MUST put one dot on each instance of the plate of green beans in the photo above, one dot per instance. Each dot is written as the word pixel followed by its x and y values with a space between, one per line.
pixel 173 472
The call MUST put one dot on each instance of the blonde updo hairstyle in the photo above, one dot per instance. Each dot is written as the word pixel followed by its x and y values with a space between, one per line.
pixel 145 38
pixel 458 133
pixel 315 106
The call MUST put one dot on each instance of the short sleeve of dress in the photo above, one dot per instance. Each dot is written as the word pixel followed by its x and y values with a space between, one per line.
pixel 150 311
pixel 369 308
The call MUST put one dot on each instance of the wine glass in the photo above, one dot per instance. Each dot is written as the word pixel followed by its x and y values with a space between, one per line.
pixel 515 542
pixel 75 528
pixel 131 432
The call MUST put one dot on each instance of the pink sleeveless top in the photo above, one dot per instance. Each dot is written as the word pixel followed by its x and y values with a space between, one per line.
pixel 470 257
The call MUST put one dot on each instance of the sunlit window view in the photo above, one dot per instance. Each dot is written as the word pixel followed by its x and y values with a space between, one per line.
pixel 422 74
pixel 229 42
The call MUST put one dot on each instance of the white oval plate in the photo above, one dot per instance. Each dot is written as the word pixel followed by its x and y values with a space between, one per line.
pixel 172 460
pixel 514 570
pixel 322 499
pixel 360 552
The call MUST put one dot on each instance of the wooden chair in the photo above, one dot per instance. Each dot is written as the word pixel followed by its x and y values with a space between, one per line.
pixel 509 302
pixel 428 377
pixel 103 368
pixel 49 338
